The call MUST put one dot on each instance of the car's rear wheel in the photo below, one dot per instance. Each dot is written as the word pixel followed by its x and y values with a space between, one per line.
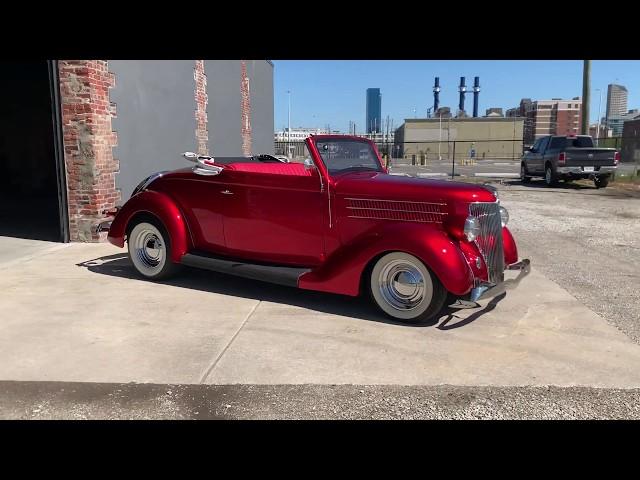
pixel 149 251
pixel 601 182
pixel 405 289
pixel 550 177
pixel 523 174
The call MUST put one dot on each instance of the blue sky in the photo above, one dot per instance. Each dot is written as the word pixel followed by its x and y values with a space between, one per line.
pixel 333 92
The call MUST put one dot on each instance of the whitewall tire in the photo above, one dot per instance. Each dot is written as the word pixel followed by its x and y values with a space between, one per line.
pixel 149 251
pixel 404 288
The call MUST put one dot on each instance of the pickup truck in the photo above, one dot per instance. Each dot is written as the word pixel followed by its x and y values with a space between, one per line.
pixel 568 158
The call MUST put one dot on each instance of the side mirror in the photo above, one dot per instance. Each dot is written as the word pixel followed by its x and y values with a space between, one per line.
pixel 308 164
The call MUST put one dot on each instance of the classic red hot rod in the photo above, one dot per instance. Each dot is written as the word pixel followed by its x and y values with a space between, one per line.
pixel 338 223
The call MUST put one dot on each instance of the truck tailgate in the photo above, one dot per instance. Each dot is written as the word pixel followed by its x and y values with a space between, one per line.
pixel 589 157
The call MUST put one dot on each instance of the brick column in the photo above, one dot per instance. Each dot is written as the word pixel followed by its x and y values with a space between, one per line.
pixel 202 99
pixel 245 110
pixel 88 140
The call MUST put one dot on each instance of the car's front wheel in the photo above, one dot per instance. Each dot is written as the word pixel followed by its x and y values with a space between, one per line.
pixel 405 289
pixel 524 177
pixel 149 248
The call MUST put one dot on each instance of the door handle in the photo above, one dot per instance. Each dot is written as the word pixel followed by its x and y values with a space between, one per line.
pixel 227 192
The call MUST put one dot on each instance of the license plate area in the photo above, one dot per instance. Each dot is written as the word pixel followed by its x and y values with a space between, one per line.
pixel 588 169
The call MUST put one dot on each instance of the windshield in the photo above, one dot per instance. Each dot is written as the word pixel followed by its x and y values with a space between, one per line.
pixel 346 154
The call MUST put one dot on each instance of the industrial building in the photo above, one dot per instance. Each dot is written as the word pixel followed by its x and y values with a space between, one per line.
pixel 425 139
pixel 616 122
pixel 630 151
pixel 77 136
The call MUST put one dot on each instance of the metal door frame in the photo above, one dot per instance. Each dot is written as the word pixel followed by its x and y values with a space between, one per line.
pixel 58 147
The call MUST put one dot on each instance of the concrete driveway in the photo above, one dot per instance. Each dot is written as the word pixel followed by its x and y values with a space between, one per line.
pixel 80 314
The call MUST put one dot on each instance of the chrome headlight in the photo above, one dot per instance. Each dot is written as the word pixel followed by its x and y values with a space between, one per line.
pixel 471 228
pixel 504 216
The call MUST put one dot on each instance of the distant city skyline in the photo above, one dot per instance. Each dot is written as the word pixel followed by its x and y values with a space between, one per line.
pixel 331 93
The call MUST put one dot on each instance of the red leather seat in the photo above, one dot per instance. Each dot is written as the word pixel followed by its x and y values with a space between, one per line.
pixel 292 169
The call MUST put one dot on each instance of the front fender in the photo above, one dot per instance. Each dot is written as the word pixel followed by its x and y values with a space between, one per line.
pixel 164 209
pixel 342 271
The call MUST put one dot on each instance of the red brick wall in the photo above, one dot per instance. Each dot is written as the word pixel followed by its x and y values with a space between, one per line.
pixel 566 122
pixel 245 110
pixel 202 134
pixel 88 141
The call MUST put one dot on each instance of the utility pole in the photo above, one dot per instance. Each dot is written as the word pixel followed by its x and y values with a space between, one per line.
pixel 440 137
pixel 586 97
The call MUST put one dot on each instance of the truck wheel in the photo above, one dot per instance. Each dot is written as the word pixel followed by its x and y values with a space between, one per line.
pixel 405 289
pixel 550 178
pixel 601 182
pixel 524 178
pixel 149 248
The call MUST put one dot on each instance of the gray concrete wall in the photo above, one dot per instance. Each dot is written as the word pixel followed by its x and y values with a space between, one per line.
pixel 156 106
pixel 155 119
pixel 223 110
pixel 260 74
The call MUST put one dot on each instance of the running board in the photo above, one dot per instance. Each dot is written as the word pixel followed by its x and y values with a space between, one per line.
pixel 287 276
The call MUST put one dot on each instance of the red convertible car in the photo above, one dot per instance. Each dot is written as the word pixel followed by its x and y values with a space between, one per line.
pixel 338 223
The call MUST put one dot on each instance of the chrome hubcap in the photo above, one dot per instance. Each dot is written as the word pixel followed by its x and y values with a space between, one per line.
pixel 402 285
pixel 149 248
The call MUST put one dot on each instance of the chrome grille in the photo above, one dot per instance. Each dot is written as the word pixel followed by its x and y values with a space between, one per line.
pixel 490 239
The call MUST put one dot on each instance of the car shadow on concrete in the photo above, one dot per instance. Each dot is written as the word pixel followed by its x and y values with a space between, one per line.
pixel 119 265
pixel 462 321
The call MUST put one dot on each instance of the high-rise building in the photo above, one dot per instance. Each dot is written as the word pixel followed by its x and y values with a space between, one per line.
pixel 616 101
pixel 374 110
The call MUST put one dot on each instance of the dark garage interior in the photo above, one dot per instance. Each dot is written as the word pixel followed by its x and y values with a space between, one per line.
pixel 29 184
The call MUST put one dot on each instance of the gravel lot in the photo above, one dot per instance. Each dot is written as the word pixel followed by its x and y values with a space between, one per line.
pixel 586 240
pixel 76 401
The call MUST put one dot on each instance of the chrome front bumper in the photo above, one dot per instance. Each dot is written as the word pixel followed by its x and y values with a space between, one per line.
pixel 488 290
pixel 102 227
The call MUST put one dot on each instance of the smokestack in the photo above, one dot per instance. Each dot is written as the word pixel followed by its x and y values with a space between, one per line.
pixel 436 96
pixel 476 94
pixel 462 88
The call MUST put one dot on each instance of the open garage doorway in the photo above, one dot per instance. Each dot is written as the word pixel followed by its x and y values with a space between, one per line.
pixel 32 178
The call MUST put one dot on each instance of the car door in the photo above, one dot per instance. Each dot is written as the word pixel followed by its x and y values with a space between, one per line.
pixel 200 198
pixel 539 155
pixel 529 157
pixel 276 216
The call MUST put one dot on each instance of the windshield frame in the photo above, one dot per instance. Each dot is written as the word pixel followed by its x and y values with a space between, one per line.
pixel 347 138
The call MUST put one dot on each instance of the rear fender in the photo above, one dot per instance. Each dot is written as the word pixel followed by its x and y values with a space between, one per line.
pixel 164 209
pixel 342 272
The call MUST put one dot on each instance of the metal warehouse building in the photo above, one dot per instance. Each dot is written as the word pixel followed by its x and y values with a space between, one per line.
pixel 76 136
pixel 423 139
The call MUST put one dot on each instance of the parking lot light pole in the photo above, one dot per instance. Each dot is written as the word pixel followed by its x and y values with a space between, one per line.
pixel 289 129
pixel 599 107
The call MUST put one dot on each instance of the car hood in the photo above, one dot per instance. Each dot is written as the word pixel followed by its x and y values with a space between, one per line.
pixel 383 186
